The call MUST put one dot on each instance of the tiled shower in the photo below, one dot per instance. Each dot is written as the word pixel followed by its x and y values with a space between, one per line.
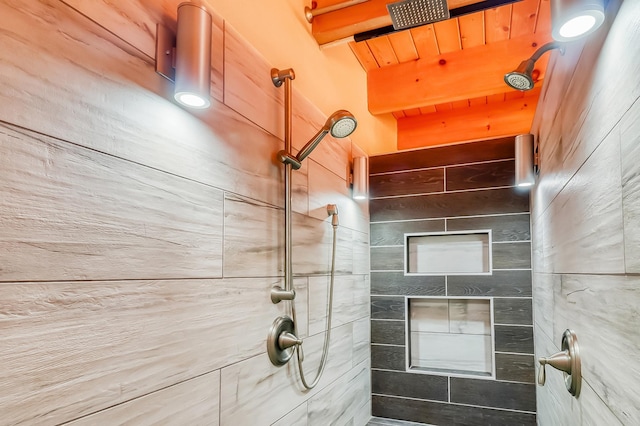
pixel 138 251
pixel 452 344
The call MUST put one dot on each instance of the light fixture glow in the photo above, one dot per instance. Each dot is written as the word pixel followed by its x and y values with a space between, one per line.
pixel 360 178
pixel 577 26
pixel 572 19
pixel 192 100
pixel 525 176
pixel 185 58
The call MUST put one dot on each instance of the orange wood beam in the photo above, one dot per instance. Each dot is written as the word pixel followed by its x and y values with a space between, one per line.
pixel 450 77
pixel 359 18
pixel 479 122
pixel 364 55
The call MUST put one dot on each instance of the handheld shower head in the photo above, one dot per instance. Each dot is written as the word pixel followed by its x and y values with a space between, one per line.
pixel 340 124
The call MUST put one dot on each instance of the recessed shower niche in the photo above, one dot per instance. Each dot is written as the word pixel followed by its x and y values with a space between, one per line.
pixel 448 253
pixel 450 335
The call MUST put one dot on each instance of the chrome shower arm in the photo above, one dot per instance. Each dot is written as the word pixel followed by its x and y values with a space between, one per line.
pixel 527 65
pixel 545 48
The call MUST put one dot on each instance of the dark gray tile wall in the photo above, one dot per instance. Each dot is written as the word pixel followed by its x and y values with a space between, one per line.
pixel 387 357
pixel 491 201
pixel 493 174
pixel 394 282
pixel 384 234
pixel 409 385
pixel 514 339
pixel 429 191
pixel 499 284
pixel 504 228
pixel 402 183
pixel 387 307
pixel 439 413
pixel 515 368
pixel 388 332
pixel 513 311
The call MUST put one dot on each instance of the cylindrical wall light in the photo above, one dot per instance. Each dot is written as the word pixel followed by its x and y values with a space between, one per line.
pixel 360 178
pixel 193 56
pixel 525 175
pixel 572 19
pixel 185 58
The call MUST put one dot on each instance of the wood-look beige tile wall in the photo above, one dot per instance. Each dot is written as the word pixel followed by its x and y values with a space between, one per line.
pixel 585 219
pixel 139 241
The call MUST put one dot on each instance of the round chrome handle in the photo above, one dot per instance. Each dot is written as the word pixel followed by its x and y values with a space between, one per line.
pixel 567 361
pixel 281 342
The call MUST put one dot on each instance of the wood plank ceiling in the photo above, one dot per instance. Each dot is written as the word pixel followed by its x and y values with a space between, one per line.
pixel 444 81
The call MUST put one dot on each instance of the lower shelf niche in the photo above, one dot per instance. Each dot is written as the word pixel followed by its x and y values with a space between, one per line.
pixel 450 336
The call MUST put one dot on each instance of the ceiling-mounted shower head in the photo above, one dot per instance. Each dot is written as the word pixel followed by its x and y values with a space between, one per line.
pixel 521 78
pixel 412 13
pixel 340 124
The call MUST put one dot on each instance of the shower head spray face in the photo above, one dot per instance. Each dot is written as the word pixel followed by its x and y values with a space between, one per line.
pixel 412 13
pixel 519 81
pixel 341 124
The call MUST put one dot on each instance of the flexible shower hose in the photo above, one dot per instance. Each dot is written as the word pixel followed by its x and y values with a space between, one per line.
pixel 327 336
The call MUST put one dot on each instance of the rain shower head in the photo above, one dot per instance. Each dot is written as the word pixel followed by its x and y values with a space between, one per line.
pixel 521 78
pixel 412 13
pixel 340 124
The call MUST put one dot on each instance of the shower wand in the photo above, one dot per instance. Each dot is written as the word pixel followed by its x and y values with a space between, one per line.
pixel 282 340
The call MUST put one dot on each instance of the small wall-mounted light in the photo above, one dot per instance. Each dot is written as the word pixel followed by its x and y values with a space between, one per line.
pixel 572 19
pixel 360 178
pixel 185 57
pixel 526 163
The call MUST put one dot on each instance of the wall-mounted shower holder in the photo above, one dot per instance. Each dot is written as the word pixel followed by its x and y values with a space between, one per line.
pixel 567 361
pixel 278 294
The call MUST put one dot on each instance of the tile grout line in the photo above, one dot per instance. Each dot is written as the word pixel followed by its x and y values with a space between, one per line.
pixel 456 191
pixel 451 217
pixel 442 166
pixel 456 404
